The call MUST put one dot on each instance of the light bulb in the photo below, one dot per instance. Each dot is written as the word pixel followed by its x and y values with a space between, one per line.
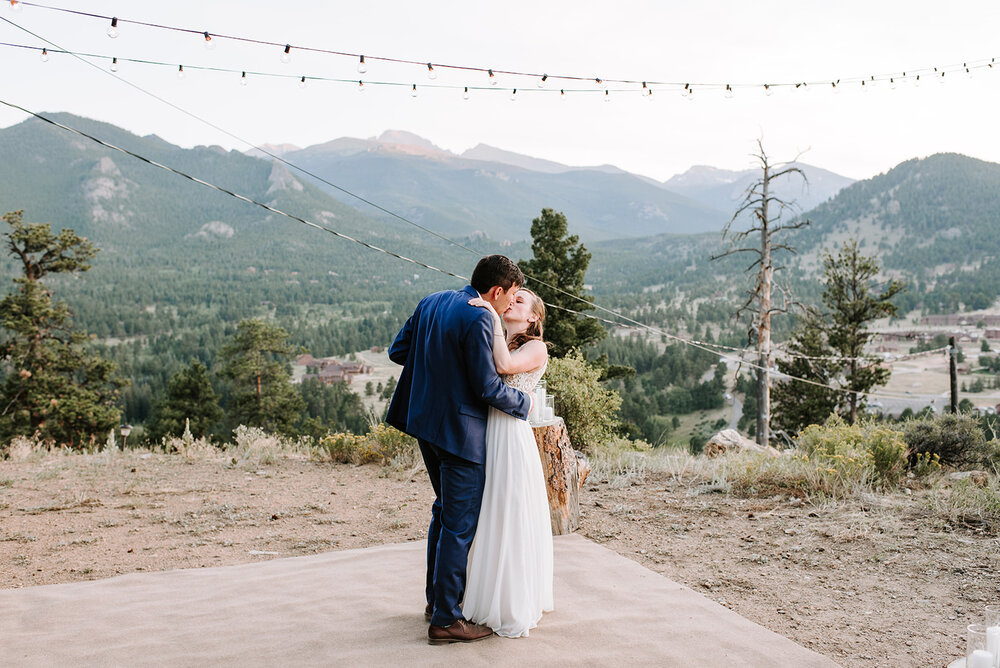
pixel 113 28
pixel 968 72
pixel 686 91
pixel 180 71
pixel 465 95
pixel 286 55
pixel 243 79
pixel 607 96
pixel 541 82
pixel 562 94
pixel 600 82
pixel 361 86
pixel 15 5
pixel 302 82
pixel 941 78
pixel 892 83
pixel 916 82
pixel 362 68
pixel 431 74
pixel 209 42
pixel 834 85
pixel 413 93
pixel 114 64
pixel 767 90
pixel 513 95
pixel 872 81
pixel 729 92
pixel 44 56
pixel 493 79
pixel 690 94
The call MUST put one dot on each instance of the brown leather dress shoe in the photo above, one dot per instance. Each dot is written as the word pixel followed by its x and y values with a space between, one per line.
pixel 428 611
pixel 459 631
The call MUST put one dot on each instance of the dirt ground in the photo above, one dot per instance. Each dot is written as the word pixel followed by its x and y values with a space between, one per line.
pixel 873 583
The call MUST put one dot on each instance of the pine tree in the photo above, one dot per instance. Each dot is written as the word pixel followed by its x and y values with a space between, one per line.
pixel 54 387
pixel 189 397
pixel 560 261
pixel 256 362
pixel 798 405
pixel 853 303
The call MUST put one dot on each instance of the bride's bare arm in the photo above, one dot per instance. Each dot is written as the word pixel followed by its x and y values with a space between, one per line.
pixel 528 357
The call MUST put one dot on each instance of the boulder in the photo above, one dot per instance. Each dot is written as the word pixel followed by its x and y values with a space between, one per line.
pixel 565 471
pixel 977 477
pixel 730 440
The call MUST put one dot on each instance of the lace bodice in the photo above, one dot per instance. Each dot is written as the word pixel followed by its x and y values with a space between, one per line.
pixel 526 380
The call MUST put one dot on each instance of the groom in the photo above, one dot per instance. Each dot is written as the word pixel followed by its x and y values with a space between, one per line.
pixel 448 380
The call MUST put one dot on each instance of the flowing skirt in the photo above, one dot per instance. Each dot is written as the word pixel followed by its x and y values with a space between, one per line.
pixel 510 564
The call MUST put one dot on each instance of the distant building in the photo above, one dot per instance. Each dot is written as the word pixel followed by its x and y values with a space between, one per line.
pixel 330 370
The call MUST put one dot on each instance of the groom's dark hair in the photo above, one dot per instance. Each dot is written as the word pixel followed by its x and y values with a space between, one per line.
pixel 496 270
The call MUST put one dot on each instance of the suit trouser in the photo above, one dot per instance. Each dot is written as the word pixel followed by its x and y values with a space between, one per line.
pixel 458 487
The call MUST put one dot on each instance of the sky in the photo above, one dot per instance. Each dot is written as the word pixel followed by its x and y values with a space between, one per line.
pixel 854 132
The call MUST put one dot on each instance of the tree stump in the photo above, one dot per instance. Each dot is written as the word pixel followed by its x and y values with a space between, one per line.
pixel 565 471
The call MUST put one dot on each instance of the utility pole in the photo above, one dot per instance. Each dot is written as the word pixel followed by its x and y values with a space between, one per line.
pixel 953 372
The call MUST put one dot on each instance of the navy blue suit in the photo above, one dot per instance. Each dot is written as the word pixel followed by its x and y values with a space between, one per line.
pixel 448 381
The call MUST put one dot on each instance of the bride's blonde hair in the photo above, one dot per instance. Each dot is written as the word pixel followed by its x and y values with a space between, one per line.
pixel 534 331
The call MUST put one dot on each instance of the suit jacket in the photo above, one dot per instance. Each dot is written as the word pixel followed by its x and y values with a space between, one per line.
pixel 449 377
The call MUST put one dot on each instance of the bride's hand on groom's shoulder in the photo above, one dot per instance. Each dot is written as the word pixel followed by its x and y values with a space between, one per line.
pixel 479 301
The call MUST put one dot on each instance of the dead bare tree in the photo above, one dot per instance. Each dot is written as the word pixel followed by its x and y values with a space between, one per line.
pixel 767 210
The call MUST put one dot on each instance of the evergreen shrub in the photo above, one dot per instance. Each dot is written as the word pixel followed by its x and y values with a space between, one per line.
pixel 589 409
pixel 957 440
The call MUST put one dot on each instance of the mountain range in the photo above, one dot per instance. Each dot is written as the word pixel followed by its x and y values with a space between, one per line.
pixel 930 220
pixel 487 190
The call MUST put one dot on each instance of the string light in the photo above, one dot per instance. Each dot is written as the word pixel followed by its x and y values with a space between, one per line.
pixel 286 55
pixel 113 28
pixel 513 95
pixel 431 74
pixel 361 86
pixel 45 56
pixel 243 79
pixel 892 83
pixel 541 82
pixel 729 92
pixel 209 43
pixel 114 65
pixel 362 68
pixel 465 95
pixel 607 96
pixel 767 90
pixel 562 94
pixel 413 93
pixel 302 82
pixel 180 71
pixel 493 79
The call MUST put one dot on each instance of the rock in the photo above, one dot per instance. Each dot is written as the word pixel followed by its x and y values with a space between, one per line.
pixel 565 471
pixel 730 440
pixel 977 477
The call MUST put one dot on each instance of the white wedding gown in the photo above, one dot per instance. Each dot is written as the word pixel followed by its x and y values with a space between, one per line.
pixel 509 582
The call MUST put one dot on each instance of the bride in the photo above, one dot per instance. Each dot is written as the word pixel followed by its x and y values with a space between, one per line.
pixel 510 565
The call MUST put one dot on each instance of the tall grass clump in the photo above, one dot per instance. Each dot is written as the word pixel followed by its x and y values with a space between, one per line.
pixel 969 504
pixel 254 447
